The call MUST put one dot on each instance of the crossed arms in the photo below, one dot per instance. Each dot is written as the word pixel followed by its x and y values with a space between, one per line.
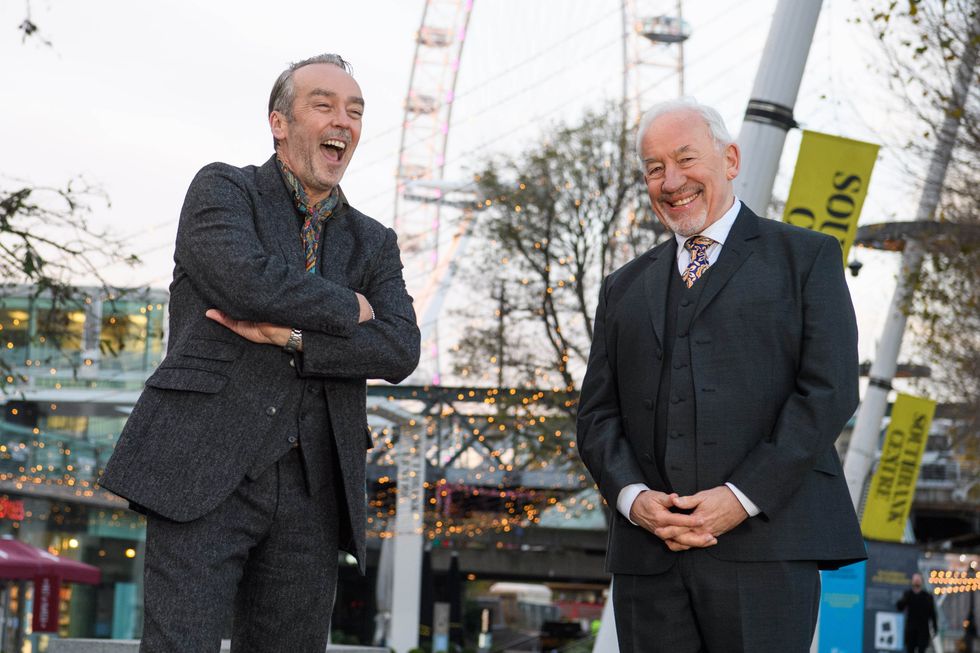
pixel 261 298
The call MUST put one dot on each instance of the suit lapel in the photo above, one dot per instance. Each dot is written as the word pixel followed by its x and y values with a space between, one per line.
pixel 738 247
pixel 280 211
pixel 655 284
pixel 336 247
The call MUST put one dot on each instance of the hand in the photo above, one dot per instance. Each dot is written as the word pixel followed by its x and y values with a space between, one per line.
pixel 718 509
pixel 262 333
pixel 364 307
pixel 651 510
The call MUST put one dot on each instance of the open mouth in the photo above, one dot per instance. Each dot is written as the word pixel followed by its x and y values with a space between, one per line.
pixel 333 149
pixel 683 201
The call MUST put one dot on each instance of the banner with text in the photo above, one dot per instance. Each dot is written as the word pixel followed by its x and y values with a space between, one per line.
pixel 893 485
pixel 829 185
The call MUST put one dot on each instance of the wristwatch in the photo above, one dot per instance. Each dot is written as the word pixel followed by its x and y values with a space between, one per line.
pixel 294 342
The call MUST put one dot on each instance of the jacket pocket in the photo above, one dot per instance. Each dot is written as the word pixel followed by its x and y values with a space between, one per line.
pixel 219 350
pixel 186 378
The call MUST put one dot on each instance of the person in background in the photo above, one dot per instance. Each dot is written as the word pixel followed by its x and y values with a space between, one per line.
pixel 920 613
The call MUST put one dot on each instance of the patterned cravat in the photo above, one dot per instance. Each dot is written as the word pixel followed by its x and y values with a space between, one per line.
pixel 313 216
pixel 698 247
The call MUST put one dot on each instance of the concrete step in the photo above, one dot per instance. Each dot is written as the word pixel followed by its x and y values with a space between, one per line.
pixel 133 645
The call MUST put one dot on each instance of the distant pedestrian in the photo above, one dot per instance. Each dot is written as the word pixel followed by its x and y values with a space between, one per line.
pixel 920 611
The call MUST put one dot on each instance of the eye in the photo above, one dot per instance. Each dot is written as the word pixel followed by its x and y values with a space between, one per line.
pixel 655 171
pixel 356 112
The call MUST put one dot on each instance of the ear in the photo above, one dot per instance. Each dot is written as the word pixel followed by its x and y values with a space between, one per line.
pixel 733 159
pixel 277 123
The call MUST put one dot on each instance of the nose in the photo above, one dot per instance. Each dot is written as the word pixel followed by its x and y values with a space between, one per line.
pixel 674 179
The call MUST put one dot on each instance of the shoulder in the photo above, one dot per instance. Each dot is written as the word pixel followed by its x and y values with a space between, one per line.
pixel 791 235
pixel 621 279
pixel 217 175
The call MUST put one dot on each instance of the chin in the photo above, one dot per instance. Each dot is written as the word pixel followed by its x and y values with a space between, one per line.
pixel 686 226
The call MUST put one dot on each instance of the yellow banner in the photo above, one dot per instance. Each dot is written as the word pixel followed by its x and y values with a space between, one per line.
pixel 893 485
pixel 829 185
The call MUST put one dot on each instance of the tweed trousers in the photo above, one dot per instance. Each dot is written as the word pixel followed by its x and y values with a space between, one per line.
pixel 270 548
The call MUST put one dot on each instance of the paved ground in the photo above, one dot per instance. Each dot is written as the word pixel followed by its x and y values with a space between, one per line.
pixel 132 646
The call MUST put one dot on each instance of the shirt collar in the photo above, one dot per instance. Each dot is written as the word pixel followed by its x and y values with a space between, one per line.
pixel 718 231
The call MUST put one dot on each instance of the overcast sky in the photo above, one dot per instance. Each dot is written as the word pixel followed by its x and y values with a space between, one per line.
pixel 136 96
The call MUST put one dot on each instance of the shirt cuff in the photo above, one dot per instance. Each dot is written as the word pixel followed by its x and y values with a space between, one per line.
pixel 746 502
pixel 624 502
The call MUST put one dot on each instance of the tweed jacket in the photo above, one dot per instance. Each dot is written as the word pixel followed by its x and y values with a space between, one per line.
pixel 205 411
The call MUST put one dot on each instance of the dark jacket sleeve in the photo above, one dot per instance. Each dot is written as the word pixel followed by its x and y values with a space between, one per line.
pixel 386 347
pixel 218 247
pixel 825 393
pixel 601 441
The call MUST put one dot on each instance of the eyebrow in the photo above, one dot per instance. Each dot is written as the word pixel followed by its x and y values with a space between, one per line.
pixel 681 150
pixel 330 94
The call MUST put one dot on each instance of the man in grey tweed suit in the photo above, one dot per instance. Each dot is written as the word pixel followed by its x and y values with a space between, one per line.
pixel 246 450
pixel 723 367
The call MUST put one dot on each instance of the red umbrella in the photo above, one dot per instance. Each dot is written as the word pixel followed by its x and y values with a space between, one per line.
pixel 21 561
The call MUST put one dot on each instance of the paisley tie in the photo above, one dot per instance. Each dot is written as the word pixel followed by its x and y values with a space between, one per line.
pixel 698 247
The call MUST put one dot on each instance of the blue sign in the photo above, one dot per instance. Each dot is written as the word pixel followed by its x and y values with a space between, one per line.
pixel 842 610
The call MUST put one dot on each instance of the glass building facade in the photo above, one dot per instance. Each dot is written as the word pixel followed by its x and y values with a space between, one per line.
pixel 72 371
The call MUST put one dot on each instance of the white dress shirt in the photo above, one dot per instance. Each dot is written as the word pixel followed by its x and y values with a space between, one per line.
pixel 718 232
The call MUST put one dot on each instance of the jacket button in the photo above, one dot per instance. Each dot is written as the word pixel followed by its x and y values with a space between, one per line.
pixel 676 434
pixel 292 363
pixel 292 439
pixel 648 404
pixel 647 457
pixel 270 411
pixel 311 389
pixel 686 302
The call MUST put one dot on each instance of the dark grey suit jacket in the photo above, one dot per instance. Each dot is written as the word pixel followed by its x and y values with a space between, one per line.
pixel 205 411
pixel 774 360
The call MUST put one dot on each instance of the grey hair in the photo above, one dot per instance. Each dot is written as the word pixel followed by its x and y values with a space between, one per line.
pixel 716 125
pixel 284 92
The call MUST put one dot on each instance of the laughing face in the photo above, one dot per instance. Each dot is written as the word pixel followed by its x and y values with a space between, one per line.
pixel 316 143
pixel 689 179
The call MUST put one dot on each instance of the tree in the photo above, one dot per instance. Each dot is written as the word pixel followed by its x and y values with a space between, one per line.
pixel 46 246
pixel 557 218
pixel 925 42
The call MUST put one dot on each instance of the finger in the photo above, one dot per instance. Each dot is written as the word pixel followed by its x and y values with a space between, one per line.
pixel 696 539
pixel 218 317
pixel 689 502
pixel 674 545
pixel 679 519
pixel 670 532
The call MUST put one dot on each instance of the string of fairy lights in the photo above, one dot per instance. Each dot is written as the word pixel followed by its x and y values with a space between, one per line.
pixel 954 582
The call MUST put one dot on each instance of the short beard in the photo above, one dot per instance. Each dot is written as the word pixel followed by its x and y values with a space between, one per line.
pixel 689 227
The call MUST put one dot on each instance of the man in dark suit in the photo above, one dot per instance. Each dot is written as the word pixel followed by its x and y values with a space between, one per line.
pixel 920 615
pixel 247 448
pixel 723 367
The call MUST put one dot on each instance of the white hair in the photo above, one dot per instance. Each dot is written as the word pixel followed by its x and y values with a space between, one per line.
pixel 716 125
